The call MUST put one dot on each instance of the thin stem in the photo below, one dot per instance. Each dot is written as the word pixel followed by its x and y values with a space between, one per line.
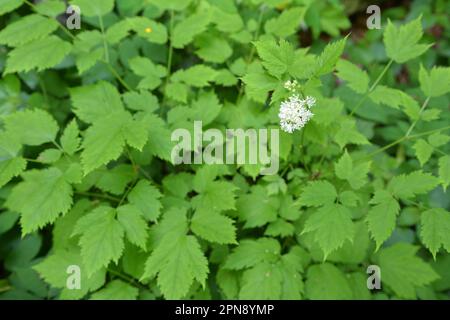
pixel 169 58
pixel 34 160
pixel 117 75
pixel 44 90
pixel 424 105
pixel 374 85
pixel 106 61
pixel 128 191
pixel 61 26
pixel 133 163
pixel 105 45
pixel 302 145
pixel 97 195
pixel 252 51
pixel 128 279
pixel 404 138
pixel 428 132
pixel 440 151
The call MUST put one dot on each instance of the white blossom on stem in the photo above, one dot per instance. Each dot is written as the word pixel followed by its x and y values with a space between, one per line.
pixel 294 113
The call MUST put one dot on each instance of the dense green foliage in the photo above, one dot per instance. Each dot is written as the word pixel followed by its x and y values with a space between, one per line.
pixel 85 168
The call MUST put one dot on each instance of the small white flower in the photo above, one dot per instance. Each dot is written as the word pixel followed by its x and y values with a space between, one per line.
pixel 310 101
pixel 291 85
pixel 294 114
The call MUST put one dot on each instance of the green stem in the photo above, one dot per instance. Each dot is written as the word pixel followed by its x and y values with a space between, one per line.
pixel 34 160
pixel 97 195
pixel 117 75
pixel 424 105
pixel 105 45
pixel 302 145
pixel 128 279
pixel 404 138
pixel 374 85
pixel 428 132
pixel 252 51
pixel 61 26
pixel 170 55
pixel 130 187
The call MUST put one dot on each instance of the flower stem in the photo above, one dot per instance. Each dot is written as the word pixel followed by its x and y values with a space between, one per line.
pixel 424 105
pixel 374 85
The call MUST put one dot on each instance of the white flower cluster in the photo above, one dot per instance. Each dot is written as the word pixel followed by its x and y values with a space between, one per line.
pixel 291 85
pixel 294 113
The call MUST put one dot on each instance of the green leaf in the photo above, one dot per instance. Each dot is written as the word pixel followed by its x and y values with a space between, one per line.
pixel 11 163
pixel 261 282
pixel 437 139
pixel 257 208
pixel 9 5
pixel 115 180
pixel 227 21
pixel 382 217
pixel 135 133
pixel 185 31
pixel 177 91
pixel 356 251
pixel 213 227
pixel 206 108
pixel 116 290
pixel 435 230
pixel 286 23
pixel 94 102
pixel 50 155
pixel 150 30
pixel 132 221
pixel 7 221
pixel 403 271
pixel 423 151
pixel 47 196
pixel 39 54
pixel 212 48
pixel 197 76
pixel 348 133
pixel 177 261
pixel 356 79
pixel 105 139
pixel 176 5
pixel 32 127
pixel 318 193
pixel 50 8
pixel 436 82
pixel 276 58
pixel 402 42
pixel 251 252
pixel 332 226
pixel 101 238
pixel 94 8
pixel 54 270
pixel 327 282
pixel 26 29
pixel 417 182
pixel 355 175
pixel 326 62
pixel 280 228
pixel 387 96
pixel 150 72
pixel 218 196
pixel 159 137
pixel 258 85
pixel 444 171
pixel 146 197
pixel 70 140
